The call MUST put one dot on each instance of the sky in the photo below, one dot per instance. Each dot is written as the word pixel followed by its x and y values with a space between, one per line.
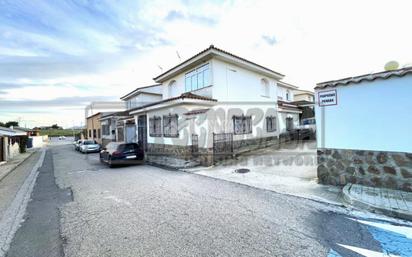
pixel 57 56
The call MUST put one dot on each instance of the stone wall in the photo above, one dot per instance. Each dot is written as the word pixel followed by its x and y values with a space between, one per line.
pixel 246 145
pixel 371 168
pixel 163 154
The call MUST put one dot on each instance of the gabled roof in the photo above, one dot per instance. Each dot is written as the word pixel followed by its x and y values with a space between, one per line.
pixel 140 90
pixel 366 77
pixel 213 51
pixel 11 132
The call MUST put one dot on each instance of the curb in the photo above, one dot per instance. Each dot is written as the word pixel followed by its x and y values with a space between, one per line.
pixel 351 201
pixel 17 165
pixel 14 214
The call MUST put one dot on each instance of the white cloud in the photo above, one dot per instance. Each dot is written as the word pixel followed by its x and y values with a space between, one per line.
pixel 316 41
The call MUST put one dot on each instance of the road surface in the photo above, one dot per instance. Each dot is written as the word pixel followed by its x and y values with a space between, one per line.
pixel 148 211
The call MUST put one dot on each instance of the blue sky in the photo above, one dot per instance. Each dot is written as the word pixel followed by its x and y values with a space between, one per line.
pixel 56 56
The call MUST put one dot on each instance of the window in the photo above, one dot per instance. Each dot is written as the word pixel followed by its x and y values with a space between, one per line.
pixel 242 125
pixel 99 135
pixel 287 95
pixel 170 128
pixel 155 129
pixel 271 124
pixel 106 130
pixel 90 133
pixel 94 133
pixel 289 123
pixel 170 87
pixel 265 87
pixel 197 78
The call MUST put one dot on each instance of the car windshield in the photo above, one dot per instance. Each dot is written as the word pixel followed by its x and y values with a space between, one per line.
pixel 89 142
pixel 112 146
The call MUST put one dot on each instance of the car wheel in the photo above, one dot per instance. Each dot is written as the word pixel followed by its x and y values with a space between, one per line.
pixel 110 162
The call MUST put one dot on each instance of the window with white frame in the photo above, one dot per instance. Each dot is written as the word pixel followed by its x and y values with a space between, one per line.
pixel 271 124
pixel 265 87
pixel 197 78
pixel 170 126
pixel 155 126
pixel 242 125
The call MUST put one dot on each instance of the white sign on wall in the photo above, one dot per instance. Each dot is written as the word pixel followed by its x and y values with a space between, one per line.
pixel 327 98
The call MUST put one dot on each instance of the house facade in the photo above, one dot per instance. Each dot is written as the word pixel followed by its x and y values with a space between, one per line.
pixel 214 105
pixel 10 140
pixel 364 130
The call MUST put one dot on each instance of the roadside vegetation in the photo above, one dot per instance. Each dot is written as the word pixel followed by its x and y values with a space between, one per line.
pixel 60 132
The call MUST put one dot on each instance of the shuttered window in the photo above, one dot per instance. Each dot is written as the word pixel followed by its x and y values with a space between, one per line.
pixel 242 125
pixel 155 126
pixel 170 126
pixel 271 124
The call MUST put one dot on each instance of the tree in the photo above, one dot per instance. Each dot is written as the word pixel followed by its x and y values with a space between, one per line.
pixel 11 123
pixel 2 124
pixel 55 126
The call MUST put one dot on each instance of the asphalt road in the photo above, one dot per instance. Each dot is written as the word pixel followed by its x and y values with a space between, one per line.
pixel 148 211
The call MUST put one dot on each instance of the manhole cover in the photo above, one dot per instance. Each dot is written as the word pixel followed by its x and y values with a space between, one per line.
pixel 242 170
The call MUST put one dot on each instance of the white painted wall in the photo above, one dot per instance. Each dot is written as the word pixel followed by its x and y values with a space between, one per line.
pixel 281 94
pixel 233 83
pixel 37 141
pixel 217 120
pixel 282 120
pixel 373 115
pixel 142 99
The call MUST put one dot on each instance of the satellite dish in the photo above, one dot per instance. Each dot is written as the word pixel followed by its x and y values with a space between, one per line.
pixel 392 65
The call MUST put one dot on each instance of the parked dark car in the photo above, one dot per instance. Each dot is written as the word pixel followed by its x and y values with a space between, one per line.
pixel 122 153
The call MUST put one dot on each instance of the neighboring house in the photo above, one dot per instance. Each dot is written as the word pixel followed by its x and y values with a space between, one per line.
pixel 288 111
pixel 121 126
pixel 305 101
pixel 93 112
pixel 94 127
pixel 214 105
pixel 112 130
pixel 10 139
pixel 109 106
pixel 364 130
pixel 303 95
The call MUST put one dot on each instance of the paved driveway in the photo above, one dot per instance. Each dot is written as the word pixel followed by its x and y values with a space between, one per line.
pixel 289 170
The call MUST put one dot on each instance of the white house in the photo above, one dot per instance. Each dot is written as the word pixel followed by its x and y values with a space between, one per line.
pixel 303 95
pixel 364 130
pixel 121 126
pixel 214 104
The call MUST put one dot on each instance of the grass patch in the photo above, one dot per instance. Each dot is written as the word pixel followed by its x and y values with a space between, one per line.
pixel 59 132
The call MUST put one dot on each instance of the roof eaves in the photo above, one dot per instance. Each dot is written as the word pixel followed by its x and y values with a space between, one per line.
pixel 366 77
pixel 213 50
pixel 137 90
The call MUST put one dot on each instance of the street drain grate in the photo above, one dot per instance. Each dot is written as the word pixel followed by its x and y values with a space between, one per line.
pixel 242 170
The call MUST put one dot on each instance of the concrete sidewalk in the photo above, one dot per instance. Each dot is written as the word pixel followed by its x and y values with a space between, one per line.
pixel 291 170
pixel 10 165
pixel 389 202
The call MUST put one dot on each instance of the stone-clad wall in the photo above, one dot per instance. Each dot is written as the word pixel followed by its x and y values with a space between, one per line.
pixel 245 145
pixel 156 152
pixel 371 168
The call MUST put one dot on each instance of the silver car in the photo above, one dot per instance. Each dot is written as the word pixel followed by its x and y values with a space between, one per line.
pixel 89 146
